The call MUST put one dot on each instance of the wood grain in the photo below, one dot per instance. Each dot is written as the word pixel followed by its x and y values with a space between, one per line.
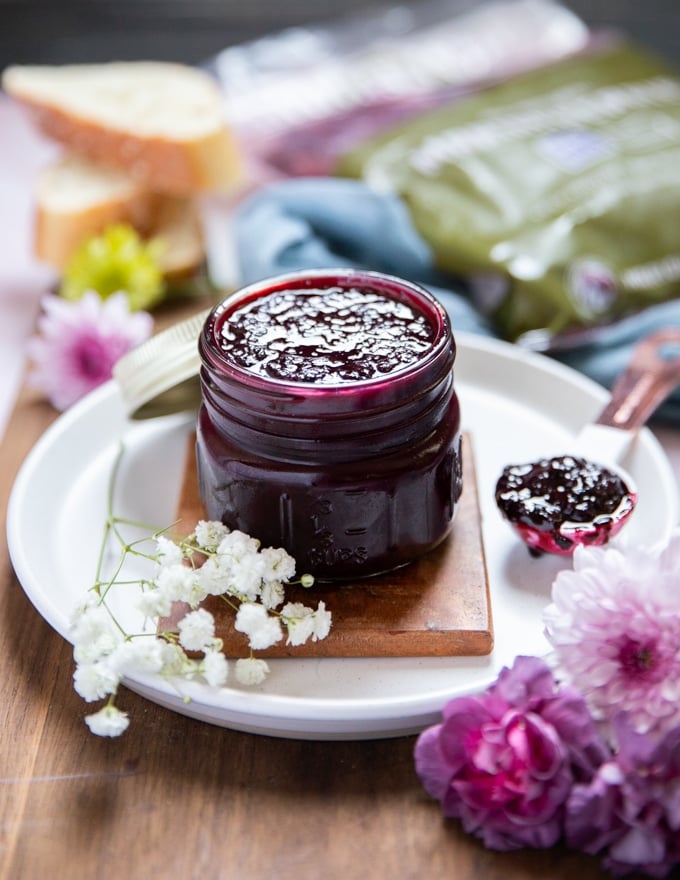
pixel 436 607
pixel 175 798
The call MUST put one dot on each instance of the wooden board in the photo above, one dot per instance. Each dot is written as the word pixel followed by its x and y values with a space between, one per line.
pixel 438 605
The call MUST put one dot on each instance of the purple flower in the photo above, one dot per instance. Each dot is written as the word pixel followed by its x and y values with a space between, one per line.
pixel 503 762
pixel 614 624
pixel 79 342
pixel 630 809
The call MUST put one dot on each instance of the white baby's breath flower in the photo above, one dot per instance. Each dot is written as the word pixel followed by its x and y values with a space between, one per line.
pixel 212 578
pixel 302 622
pixel 251 671
pixel 155 603
pixel 94 681
pixel 109 721
pixel 176 662
pixel 180 583
pixel 234 567
pixel 278 565
pixel 322 622
pixel 173 583
pixel 90 620
pixel 137 655
pixel 299 621
pixel 272 594
pixel 238 545
pixel 262 629
pixel 195 594
pixel 247 577
pixel 93 632
pixel 98 648
pixel 209 533
pixel 175 579
pixel 215 668
pixel 87 602
pixel 196 630
pixel 167 551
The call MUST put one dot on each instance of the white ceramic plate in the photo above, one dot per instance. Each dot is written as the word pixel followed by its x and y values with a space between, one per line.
pixel 516 406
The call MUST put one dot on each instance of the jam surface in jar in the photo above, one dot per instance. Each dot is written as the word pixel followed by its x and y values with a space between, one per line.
pixel 329 423
pixel 331 336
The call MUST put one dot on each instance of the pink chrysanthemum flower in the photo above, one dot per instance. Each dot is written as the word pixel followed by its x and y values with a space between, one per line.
pixel 629 811
pixel 614 624
pixel 79 342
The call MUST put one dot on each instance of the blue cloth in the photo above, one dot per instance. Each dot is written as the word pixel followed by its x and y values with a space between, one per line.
pixel 308 223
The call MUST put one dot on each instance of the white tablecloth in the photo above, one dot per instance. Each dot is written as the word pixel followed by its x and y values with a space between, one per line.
pixel 22 280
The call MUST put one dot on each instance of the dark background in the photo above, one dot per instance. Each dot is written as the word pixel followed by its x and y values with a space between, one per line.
pixel 58 31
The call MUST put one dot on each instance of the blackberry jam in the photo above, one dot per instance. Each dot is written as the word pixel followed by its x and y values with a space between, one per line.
pixel 557 503
pixel 329 337
pixel 329 423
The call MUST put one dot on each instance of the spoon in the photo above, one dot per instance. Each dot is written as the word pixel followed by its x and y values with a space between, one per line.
pixel 556 504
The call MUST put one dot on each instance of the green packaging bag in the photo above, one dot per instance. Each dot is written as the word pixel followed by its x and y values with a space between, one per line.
pixel 557 194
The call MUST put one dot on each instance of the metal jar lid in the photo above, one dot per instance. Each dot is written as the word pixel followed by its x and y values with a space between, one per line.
pixel 160 376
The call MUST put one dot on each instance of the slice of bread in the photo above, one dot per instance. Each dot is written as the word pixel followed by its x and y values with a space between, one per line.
pixel 178 227
pixel 76 199
pixel 163 123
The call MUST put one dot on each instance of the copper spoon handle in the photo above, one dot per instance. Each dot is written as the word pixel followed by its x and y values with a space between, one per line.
pixel 653 372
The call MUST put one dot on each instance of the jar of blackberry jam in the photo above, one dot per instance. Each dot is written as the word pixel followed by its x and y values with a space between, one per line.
pixel 329 423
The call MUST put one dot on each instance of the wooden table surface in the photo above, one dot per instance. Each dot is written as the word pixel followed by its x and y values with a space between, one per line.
pixel 174 797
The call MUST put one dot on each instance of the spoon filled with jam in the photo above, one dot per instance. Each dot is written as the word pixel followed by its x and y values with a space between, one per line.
pixel 585 497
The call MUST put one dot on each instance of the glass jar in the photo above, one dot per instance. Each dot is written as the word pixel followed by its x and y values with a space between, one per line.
pixel 342 448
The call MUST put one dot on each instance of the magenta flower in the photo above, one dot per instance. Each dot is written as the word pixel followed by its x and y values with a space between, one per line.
pixel 79 342
pixel 503 762
pixel 614 624
pixel 630 810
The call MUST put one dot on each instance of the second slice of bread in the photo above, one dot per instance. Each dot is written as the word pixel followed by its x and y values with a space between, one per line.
pixel 76 199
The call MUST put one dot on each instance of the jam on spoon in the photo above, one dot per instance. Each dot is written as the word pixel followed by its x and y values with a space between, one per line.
pixel 557 503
